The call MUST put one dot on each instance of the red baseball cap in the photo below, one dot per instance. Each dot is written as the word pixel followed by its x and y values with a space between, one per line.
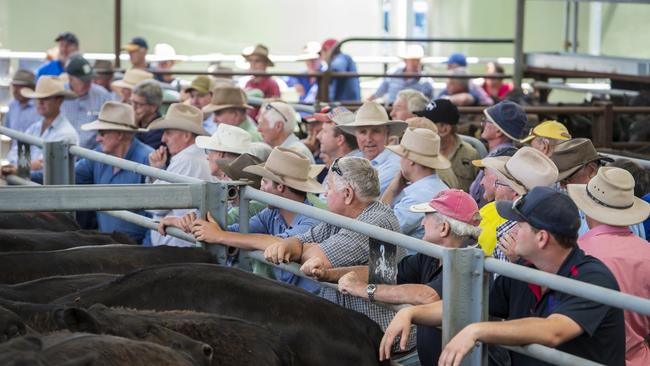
pixel 329 43
pixel 323 116
pixel 453 203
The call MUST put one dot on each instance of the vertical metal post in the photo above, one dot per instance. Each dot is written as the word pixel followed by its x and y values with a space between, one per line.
pixel 519 44
pixel 463 296
pixel 215 201
pixel 567 20
pixel 117 38
pixel 603 126
pixel 244 217
pixel 57 163
pixel 574 36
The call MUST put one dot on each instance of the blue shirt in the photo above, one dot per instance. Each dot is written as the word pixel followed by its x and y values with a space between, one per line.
pixel 54 68
pixel 309 86
pixel 646 223
pixel 59 130
pixel 92 172
pixel 387 165
pixel 85 109
pixel 420 191
pixel 152 138
pixel 344 89
pixel 269 221
pixel 209 125
pixel 391 86
pixel 20 117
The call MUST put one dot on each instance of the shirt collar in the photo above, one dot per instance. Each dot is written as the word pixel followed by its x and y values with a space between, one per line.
pixel 381 158
pixel 458 143
pixel 605 229
pixel 131 150
pixel 568 267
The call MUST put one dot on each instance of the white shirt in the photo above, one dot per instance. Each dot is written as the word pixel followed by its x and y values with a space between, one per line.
pixel 190 162
pixel 60 130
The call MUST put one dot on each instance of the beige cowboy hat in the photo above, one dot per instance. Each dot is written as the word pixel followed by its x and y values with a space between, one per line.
pixel 131 78
pixel 224 97
pixel 526 169
pixel 114 116
pixel 46 87
pixel 258 50
pixel 609 198
pixel 228 138
pixel 181 117
pixel 421 146
pixel 412 52
pixel 373 114
pixel 290 168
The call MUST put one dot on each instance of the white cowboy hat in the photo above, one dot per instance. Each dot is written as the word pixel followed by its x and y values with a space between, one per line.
pixel 228 138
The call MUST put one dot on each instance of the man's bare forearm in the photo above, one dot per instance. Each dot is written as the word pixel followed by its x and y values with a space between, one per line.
pixel 248 241
pixel 551 331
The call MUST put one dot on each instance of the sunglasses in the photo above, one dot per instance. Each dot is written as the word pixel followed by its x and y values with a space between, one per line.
pixel 335 167
pixel 269 106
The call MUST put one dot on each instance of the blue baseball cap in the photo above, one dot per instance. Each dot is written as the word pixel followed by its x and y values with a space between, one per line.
pixel 135 44
pixel 457 59
pixel 510 118
pixel 543 208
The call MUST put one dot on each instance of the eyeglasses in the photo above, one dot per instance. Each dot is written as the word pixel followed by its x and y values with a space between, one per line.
pixel 335 167
pixel 270 106
pixel 497 183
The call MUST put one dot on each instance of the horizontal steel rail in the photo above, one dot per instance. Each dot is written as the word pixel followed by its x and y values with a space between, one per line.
pixel 17 135
pixel 19 181
pixel 551 355
pixel 148 223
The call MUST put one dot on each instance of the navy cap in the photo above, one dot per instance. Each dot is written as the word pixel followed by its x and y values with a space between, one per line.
pixel 67 37
pixel 80 68
pixel 440 111
pixel 543 208
pixel 135 43
pixel 510 118
pixel 457 59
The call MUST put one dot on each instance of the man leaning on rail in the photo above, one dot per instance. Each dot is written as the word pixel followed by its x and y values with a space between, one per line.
pixel 548 225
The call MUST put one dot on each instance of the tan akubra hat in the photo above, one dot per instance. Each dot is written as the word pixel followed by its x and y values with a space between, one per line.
pixel 373 114
pixel 224 97
pixel 46 87
pixel 526 169
pixel 131 78
pixel 114 116
pixel 181 117
pixel 290 168
pixel 422 146
pixel 258 50
pixel 609 198
pixel 571 155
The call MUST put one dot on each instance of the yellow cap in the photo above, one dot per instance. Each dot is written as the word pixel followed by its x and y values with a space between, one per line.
pixel 549 129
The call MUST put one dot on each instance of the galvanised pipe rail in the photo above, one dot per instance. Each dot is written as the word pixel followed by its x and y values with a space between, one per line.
pixel 17 135
pixel 551 355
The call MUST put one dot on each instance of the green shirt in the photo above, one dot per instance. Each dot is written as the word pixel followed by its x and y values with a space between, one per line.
pixel 249 126
pixel 461 163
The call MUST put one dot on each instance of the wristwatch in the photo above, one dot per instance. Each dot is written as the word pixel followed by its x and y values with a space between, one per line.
pixel 370 290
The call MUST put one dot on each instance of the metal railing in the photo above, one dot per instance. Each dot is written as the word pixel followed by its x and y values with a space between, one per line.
pixel 464 282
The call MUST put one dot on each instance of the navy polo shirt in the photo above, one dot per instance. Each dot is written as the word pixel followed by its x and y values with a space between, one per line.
pixel 425 270
pixel 603 337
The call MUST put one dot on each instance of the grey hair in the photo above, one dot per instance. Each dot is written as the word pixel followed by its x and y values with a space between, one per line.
pixel 460 71
pixel 273 116
pixel 415 100
pixel 359 174
pixel 458 228
pixel 150 90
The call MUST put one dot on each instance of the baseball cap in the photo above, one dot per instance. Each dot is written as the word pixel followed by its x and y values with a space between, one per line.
pixel 440 111
pixel 68 37
pixel 201 83
pixel 329 43
pixel 543 208
pixel 550 129
pixel 457 59
pixel 135 44
pixel 80 68
pixel 453 203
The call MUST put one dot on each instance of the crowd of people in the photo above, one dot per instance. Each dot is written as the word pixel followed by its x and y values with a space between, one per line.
pixel 540 198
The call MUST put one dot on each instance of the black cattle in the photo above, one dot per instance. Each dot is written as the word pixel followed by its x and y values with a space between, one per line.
pixel 14 240
pixel 44 290
pixel 11 325
pixel 53 221
pixel 27 351
pixel 234 341
pixel 318 332
pixel 117 259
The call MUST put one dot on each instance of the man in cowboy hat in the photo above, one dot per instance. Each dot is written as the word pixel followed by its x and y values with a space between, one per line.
pixel 578 162
pixel 104 76
pixel 146 100
pixel 132 77
pixel 258 60
pixel 200 95
pixel 67 45
pixel 504 123
pixel 228 106
pixel 286 174
pixel 137 49
pixel 412 64
pixel 515 176
pixel 372 127
pixel 180 127
pixel 229 142
pixel 416 180
pixel 546 136
pixel 49 93
pixel 277 120
pixel 115 129
pixel 547 223
pixel 164 57
pixel 610 207
pixel 451 220
pixel 22 111
pixel 90 99
pixel 460 153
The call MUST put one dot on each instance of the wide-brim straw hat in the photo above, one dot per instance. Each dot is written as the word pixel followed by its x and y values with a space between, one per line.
pixel 571 155
pixel 526 169
pixel 311 51
pixel 182 117
pixel 258 50
pixel 225 97
pixel 114 116
pixel 290 168
pixel 609 198
pixel 373 114
pixel 234 168
pixel 46 87
pixel 228 138
pixel 422 146
pixel 412 52
pixel 131 78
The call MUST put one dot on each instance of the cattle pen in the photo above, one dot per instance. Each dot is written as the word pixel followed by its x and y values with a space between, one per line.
pixel 465 287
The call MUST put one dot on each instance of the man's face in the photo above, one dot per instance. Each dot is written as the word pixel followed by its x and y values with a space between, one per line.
pixel 490 131
pixel 257 63
pixel 372 140
pixel 335 198
pixel 79 86
pixel 15 91
pixel 66 49
pixel 176 140
pixel 212 157
pixel 526 239
pixel 125 95
pixel 270 133
pixel 503 192
pixel 313 65
pixel 327 139
pixel 400 110
pixel 104 81
pixel 110 141
pixel 581 176
pixel 412 65
pixel 228 116
pixel 165 65
pixel 488 183
pixel 540 144
pixel 49 107
pixel 431 229
pixel 141 108
pixel 200 100
pixel 137 57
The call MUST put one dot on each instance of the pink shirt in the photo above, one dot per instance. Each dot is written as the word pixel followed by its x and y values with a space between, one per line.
pixel 628 257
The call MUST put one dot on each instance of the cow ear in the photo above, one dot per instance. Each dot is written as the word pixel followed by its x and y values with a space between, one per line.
pixel 76 320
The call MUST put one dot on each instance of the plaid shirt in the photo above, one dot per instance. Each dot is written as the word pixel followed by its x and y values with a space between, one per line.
pixel 348 248
pixel 502 229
